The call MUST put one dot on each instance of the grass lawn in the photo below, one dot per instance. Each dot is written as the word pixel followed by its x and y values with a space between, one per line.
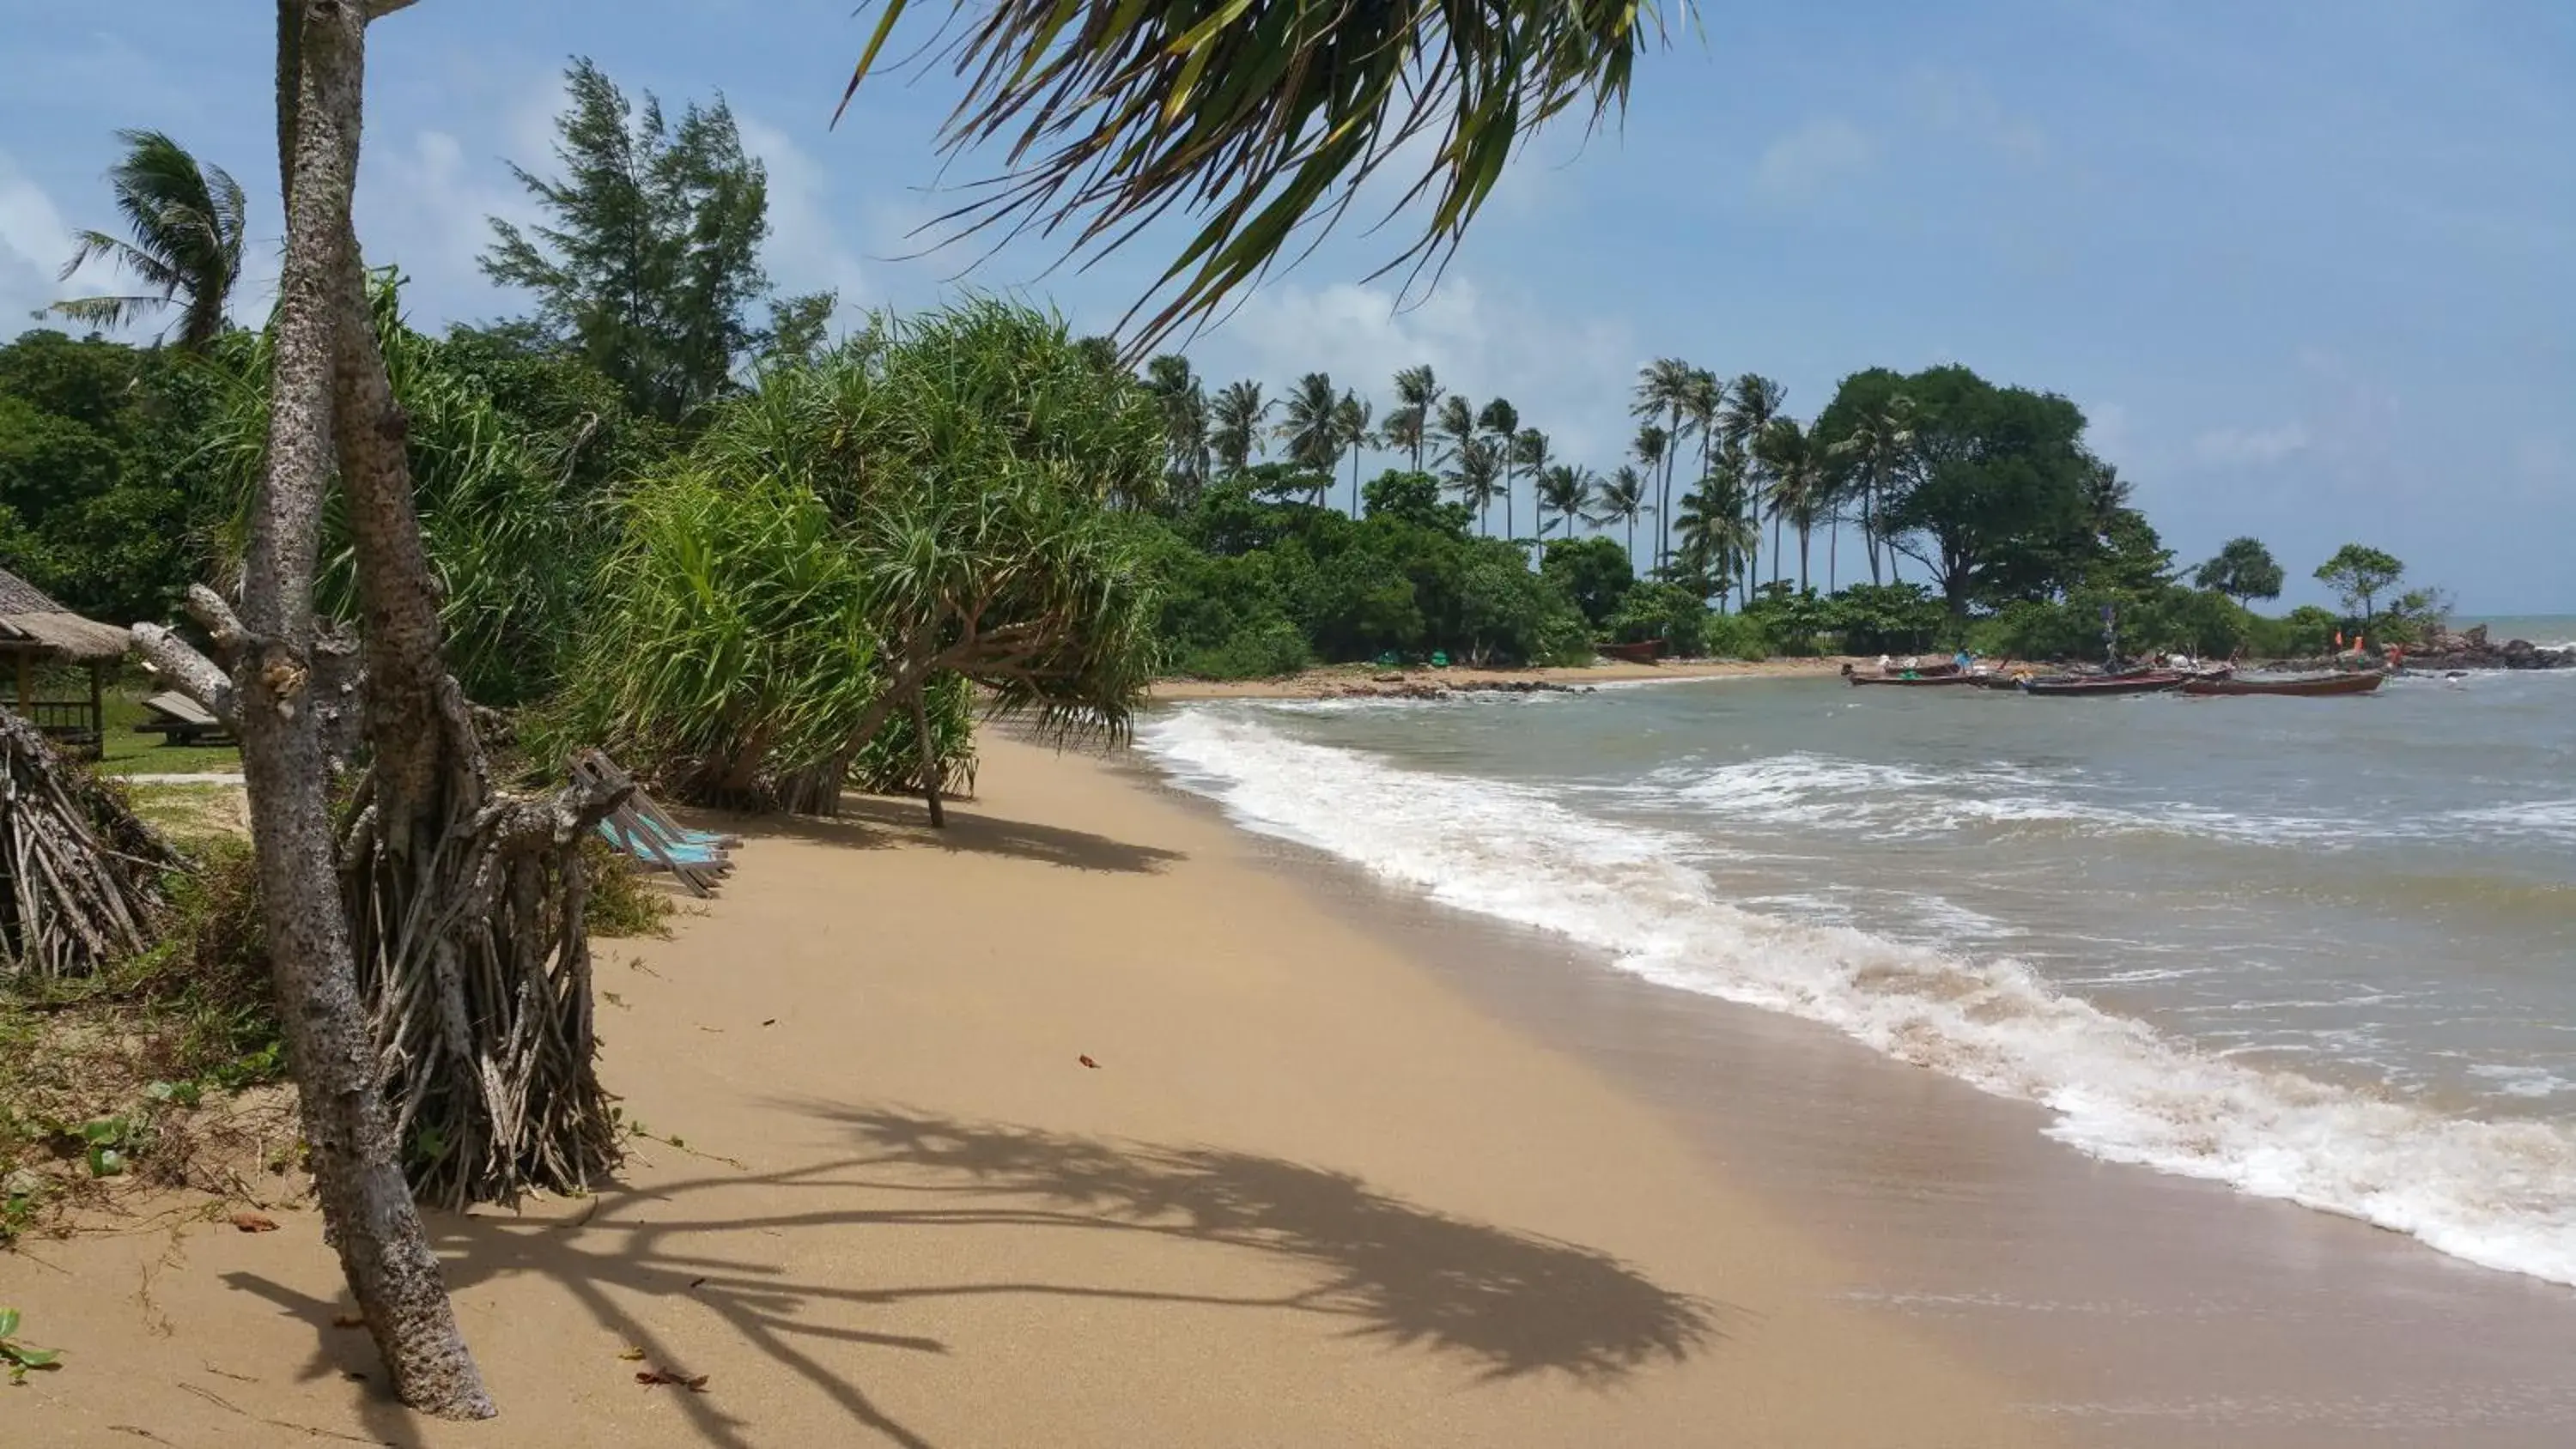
pixel 127 751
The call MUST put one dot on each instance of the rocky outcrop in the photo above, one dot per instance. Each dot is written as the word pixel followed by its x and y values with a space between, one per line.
pixel 2472 649
pixel 1403 686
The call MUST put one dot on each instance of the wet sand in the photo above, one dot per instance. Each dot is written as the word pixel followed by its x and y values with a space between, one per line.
pixel 2130 1308
pixel 1311 1194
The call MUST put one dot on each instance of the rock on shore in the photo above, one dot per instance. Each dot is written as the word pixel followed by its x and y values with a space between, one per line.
pixel 2443 649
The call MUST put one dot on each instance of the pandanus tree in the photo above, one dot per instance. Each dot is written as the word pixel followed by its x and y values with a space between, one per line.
pixel 185 221
pixel 849 540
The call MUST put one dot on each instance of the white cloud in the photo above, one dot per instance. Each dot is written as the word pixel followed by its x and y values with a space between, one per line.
pixel 2239 446
pixel 805 252
pixel 1955 101
pixel 425 206
pixel 34 244
pixel 1813 160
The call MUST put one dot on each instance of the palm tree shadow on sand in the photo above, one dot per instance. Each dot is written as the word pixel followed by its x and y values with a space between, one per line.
pixel 1502 1304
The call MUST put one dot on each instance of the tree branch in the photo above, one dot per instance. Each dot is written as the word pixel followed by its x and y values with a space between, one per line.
pixel 192 673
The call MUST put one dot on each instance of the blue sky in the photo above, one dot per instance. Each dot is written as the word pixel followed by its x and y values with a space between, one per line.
pixel 2305 266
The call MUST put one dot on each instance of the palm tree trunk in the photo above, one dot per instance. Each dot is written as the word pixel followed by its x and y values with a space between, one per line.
pixel 1775 548
pixel 1869 524
pixel 1802 558
pixel 1833 550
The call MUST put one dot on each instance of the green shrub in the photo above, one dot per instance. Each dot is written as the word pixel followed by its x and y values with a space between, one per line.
pixel 1734 636
pixel 1261 651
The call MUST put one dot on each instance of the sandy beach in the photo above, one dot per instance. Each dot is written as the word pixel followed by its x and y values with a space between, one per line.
pixel 1310 1194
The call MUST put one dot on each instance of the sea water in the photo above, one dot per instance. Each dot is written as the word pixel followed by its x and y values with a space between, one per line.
pixel 2322 950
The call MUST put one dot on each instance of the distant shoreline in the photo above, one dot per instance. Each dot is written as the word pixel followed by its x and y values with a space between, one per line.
pixel 1347 680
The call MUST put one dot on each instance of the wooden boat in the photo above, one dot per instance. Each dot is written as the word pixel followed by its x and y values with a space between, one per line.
pixel 2309 686
pixel 2155 682
pixel 1644 651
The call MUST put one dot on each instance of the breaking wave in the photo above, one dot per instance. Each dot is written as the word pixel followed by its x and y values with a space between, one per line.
pixel 2499 1193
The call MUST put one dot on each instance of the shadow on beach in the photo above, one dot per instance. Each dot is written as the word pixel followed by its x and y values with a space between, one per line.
pixel 874 822
pixel 1501 1304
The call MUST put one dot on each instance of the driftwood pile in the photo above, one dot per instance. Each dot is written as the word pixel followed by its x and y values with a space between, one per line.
pixel 80 872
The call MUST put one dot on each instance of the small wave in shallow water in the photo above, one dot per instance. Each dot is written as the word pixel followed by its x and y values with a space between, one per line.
pixel 2500 1193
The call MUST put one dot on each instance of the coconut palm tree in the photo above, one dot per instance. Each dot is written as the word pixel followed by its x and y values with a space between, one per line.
pixel 1311 427
pixel 187 221
pixel 1714 535
pixel 1621 500
pixel 1652 447
pixel 1417 392
pixel 1530 455
pixel 1794 465
pixel 1663 397
pixel 1351 427
pixel 1476 474
pixel 1454 423
pixel 1183 403
pixel 1501 422
pixel 1751 404
pixel 1703 403
pixel 1234 425
pixel 1873 453
pixel 1566 490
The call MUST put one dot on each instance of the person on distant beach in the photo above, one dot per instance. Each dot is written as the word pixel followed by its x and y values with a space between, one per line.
pixel 1963 659
pixel 1886 665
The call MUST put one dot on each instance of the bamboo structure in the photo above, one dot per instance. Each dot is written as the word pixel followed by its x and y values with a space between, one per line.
pixel 80 872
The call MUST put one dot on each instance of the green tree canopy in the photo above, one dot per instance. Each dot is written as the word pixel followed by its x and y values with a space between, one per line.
pixel 649 263
pixel 2359 575
pixel 1995 485
pixel 2242 570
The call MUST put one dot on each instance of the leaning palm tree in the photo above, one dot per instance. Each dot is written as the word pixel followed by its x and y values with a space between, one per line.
pixel 1311 428
pixel 1234 425
pixel 1530 455
pixel 1621 500
pixel 1351 430
pixel 1501 422
pixel 187 220
pixel 1417 392
pixel 1703 398
pixel 1475 475
pixel 1564 489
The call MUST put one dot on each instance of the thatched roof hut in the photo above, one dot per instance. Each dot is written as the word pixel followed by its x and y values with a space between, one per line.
pixel 34 630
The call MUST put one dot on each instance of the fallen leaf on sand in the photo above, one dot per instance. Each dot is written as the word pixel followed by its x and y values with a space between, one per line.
pixel 696 1384
pixel 348 1320
pixel 1088 1062
pixel 697 1282
pixel 631 1355
pixel 773 1021
pixel 250 1222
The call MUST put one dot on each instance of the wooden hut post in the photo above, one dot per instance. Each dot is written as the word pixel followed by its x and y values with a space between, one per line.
pixel 26 683
pixel 98 706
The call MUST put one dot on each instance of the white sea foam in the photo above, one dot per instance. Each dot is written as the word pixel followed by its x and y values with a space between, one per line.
pixel 2498 1193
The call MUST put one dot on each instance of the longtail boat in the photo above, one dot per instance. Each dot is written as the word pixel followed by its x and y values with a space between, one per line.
pixel 2310 686
pixel 2153 682
pixel 1644 651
